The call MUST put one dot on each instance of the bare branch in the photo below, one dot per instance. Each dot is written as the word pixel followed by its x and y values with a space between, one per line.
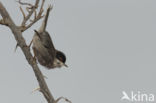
pixel 35 14
pixel 41 8
pixel 22 12
pixel 30 13
pixel 22 3
pixel 67 100
pixel 26 50
pixel 31 9
pixel 33 22
pixel 44 24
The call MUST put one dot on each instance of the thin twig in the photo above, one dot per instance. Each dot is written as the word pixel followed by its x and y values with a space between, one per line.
pixel 22 12
pixel 67 100
pixel 41 8
pixel 37 16
pixel 23 3
pixel 30 13
pixel 33 22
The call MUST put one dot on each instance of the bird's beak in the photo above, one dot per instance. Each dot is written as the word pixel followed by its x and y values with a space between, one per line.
pixel 65 65
pixel 36 31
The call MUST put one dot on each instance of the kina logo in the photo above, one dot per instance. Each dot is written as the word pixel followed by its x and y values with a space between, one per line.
pixel 137 96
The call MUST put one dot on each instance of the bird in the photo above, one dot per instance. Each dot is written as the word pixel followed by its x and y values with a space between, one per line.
pixel 43 48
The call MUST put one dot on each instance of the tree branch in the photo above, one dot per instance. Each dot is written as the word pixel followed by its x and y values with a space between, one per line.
pixel 22 3
pixel 26 50
pixel 31 10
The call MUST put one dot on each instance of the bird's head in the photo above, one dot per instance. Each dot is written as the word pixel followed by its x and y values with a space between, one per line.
pixel 60 59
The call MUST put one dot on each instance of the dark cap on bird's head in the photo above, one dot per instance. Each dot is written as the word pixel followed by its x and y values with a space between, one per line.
pixel 61 56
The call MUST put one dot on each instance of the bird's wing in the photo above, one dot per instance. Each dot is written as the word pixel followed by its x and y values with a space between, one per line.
pixel 47 42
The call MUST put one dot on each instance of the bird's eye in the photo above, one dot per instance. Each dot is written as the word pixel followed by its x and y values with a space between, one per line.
pixel 61 59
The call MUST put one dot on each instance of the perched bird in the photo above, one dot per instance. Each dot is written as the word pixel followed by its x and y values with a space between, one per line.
pixel 44 49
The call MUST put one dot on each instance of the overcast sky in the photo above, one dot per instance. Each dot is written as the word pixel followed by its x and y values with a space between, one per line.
pixel 110 47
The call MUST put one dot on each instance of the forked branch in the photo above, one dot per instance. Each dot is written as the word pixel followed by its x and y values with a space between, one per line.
pixel 31 9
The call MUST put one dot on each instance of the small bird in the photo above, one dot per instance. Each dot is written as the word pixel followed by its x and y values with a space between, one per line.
pixel 44 49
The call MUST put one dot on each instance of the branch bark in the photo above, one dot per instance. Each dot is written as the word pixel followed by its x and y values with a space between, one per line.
pixel 26 50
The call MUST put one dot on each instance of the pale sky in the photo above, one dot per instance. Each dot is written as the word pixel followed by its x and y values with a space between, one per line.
pixel 110 47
